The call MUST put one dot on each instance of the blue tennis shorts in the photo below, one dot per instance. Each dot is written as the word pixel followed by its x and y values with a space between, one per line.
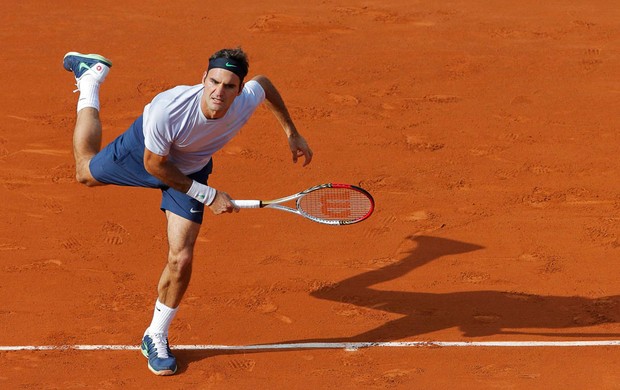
pixel 122 163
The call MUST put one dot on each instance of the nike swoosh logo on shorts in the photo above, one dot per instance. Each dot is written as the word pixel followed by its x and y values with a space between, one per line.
pixel 195 211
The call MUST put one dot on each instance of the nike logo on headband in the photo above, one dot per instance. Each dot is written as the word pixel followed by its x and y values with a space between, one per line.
pixel 238 67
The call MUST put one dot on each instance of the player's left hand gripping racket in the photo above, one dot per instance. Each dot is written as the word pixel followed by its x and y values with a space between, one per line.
pixel 331 204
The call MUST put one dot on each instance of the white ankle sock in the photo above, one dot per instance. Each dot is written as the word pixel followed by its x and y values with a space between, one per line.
pixel 89 94
pixel 162 318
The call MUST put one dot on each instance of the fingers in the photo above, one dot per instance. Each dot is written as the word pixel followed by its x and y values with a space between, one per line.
pixel 229 207
pixel 223 204
pixel 299 148
pixel 225 209
pixel 308 157
pixel 307 154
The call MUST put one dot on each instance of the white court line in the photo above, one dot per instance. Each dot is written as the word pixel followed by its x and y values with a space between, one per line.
pixel 345 346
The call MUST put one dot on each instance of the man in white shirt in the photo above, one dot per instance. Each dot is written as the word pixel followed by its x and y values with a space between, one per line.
pixel 170 147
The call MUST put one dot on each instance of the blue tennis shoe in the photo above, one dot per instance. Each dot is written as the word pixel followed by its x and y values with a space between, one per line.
pixel 87 64
pixel 156 349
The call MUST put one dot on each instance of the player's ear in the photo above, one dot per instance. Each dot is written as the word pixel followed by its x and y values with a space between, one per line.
pixel 241 88
pixel 204 77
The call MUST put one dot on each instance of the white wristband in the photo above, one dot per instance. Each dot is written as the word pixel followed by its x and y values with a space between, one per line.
pixel 202 193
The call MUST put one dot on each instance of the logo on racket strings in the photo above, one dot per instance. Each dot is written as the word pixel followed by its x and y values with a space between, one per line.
pixel 337 208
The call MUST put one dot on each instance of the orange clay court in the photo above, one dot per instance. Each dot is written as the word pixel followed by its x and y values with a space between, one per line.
pixel 487 132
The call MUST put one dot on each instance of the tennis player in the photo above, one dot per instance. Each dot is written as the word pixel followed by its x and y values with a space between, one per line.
pixel 170 147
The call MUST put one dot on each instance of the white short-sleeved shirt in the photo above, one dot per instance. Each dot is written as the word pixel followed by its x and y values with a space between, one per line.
pixel 175 126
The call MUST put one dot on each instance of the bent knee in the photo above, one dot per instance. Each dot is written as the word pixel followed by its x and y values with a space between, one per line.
pixel 88 181
pixel 83 176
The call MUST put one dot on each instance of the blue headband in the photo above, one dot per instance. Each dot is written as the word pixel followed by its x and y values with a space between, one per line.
pixel 229 64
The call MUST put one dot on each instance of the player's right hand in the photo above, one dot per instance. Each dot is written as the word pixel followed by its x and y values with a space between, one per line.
pixel 222 204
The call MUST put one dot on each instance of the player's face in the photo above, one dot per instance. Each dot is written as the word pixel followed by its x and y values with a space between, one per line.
pixel 221 89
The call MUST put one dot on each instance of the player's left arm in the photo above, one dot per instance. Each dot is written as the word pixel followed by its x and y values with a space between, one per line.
pixel 273 100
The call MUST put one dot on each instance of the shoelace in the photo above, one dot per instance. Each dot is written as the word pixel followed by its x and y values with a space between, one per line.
pixel 161 345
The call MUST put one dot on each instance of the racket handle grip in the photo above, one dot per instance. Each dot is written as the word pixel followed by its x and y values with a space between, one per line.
pixel 247 204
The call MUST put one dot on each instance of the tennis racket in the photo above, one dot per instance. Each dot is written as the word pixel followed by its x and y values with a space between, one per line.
pixel 331 204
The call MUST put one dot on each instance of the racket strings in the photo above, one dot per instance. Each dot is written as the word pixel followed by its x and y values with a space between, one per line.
pixel 342 204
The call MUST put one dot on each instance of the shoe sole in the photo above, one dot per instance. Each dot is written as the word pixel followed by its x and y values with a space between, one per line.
pixel 95 57
pixel 154 371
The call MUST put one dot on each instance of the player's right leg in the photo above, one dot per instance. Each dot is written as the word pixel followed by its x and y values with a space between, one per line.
pixel 90 71
pixel 174 280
